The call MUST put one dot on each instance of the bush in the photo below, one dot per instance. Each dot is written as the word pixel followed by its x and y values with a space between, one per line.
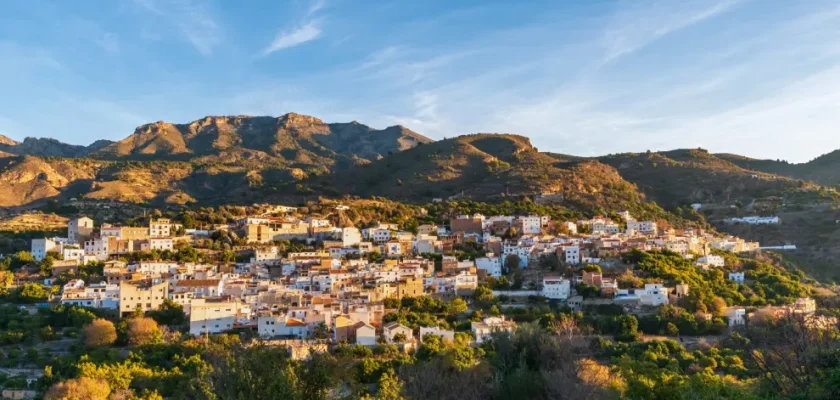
pixel 100 332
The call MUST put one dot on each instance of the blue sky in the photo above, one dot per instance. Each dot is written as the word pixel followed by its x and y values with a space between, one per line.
pixel 754 77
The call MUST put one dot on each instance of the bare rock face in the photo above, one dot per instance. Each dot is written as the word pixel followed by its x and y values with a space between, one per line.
pixel 290 137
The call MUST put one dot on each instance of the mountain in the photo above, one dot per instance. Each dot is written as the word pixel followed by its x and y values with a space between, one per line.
pixel 686 176
pixel 487 167
pixel 290 140
pixel 824 169
pixel 47 147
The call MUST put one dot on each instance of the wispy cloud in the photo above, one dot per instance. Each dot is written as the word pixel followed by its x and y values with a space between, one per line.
pixel 307 30
pixel 285 40
pixel 192 20
pixel 643 23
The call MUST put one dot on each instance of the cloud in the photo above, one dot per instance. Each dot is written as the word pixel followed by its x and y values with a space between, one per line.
pixel 285 40
pixel 192 20
pixel 636 27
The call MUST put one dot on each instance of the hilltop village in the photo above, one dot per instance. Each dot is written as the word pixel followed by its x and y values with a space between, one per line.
pixel 337 284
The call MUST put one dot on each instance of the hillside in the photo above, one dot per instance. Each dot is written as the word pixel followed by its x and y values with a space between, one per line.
pixel 824 169
pixel 487 167
pixel 682 177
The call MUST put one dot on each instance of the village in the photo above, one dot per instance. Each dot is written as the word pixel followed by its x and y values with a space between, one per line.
pixel 342 285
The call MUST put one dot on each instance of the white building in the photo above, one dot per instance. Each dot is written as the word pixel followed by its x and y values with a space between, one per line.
pixel 40 248
pixel 160 228
pixel 605 228
pixel 491 264
pixel 270 326
pixel 735 315
pixel 79 229
pixel 350 237
pixel 96 295
pixel 98 248
pixel 266 256
pixel 442 333
pixel 215 315
pixel 160 244
pixel 643 227
pixel 653 294
pixel 555 287
pixel 737 277
pixel 365 334
pixel 572 254
pixel 380 235
pixel 531 224
pixel 73 254
pixel 712 260
pixel 756 220
pixel 484 329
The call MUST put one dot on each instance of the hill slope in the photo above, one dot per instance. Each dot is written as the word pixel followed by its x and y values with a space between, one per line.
pixel 681 177
pixel 824 169
pixel 489 167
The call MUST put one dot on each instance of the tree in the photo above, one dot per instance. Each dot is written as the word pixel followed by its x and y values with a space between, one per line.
pixel 227 257
pixel 718 306
pixel 456 306
pixel 629 281
pixel 33 293
pixel 400 338
pixel 100 332
pixel 672 329
pixel 390 387
pixel 187 254
pixel 143 331
pixel 512 262
pixel 628 328
pixel 592 268
pixel 169 313
pixel 79 389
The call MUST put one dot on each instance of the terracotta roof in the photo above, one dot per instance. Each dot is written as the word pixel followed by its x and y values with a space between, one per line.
pixel 294 322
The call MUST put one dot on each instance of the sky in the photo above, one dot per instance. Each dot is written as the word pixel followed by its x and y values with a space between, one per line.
pixel 586 77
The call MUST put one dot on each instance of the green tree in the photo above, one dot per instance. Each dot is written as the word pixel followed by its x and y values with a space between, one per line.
pixel 456 306
pixel 592 268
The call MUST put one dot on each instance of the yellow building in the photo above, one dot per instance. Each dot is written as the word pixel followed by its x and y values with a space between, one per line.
pixel 142 294
pixel 410 287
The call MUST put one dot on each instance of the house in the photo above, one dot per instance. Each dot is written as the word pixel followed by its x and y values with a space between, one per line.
pixel 735 315
pixel 491 264
pixel 572 254
pixel 160 228
pixel 365 334
pixel 555 287
pixel 653 294
pixel 530 225
pixel 392 329
pixel 737 277
pixel 605 228
pixel 410 287
pixel 643 227
pixel 145 294
pixel 484 329
pixel 270 326
pixel 442 333
pixel 40 248
pixel 350 237
pixel 79 229
pixel 215 315
pixel 711 260
pixel 571 227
